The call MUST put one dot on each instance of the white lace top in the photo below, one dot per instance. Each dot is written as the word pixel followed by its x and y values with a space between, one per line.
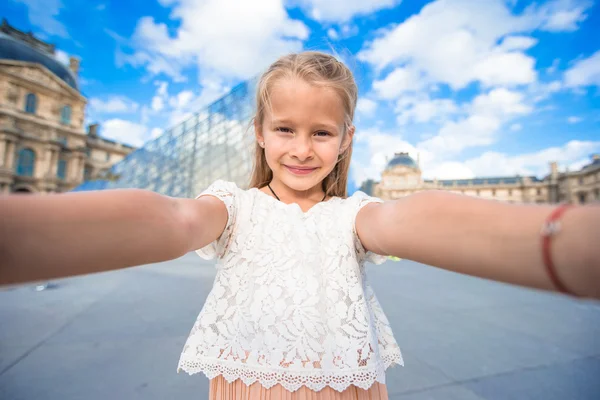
pixel 290 303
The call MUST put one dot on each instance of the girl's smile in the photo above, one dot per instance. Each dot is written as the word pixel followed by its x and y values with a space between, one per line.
pixel 297 170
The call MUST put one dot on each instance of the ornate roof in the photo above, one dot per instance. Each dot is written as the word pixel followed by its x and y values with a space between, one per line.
pixel 14 49
pixel 402 159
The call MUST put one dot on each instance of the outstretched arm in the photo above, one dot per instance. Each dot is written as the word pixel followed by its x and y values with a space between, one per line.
pixel 50 236
pixel 486 238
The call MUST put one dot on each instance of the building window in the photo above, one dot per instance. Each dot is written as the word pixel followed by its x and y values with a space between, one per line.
pixel 25 162
pixel 62 140
pixel 62 169
pixel 88 152
pixel 107 156
pixel 65 115
pixel 539 191
pixel 581 181
pixel 87 173
pixel 493 192
pixel 510 192
pixel 30 103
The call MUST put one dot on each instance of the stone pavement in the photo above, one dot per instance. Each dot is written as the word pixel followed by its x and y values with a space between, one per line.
pixel 118 335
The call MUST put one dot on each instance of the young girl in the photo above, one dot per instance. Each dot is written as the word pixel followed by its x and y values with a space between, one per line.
pixel 291 314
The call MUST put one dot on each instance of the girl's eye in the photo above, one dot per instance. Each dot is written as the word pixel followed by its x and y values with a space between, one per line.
pixel 283 129
pixel 322 133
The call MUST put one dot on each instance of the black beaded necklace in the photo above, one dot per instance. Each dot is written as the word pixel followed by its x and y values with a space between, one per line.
pixel 277 197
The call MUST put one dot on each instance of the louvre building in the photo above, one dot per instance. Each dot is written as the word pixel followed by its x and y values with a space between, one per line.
pixel 44 147
pixel 402 177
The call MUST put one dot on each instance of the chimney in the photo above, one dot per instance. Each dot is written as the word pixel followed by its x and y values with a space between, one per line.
pixel 553 169
pixel 74 65
pixel 93 130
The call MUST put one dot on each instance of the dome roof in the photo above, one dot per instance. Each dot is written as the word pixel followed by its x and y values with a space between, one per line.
pixel 402 159
pixel 12 49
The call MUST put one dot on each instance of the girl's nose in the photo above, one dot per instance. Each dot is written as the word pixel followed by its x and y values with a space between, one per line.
pixel 301 148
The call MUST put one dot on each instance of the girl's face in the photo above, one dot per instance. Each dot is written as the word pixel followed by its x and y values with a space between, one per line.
pixel 303 134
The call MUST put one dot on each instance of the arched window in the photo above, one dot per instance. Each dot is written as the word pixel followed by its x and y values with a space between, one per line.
pixel 30 103
pixel 65 115
pixel 25 162
pixel 61 172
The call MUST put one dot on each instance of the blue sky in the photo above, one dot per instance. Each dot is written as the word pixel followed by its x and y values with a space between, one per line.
pixel 486 88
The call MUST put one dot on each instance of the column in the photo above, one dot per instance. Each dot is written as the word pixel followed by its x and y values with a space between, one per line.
pixel 2 153
pixel 70 175
pixel 10 155
pixel 48 165
pixel 54 164
pixel 80 166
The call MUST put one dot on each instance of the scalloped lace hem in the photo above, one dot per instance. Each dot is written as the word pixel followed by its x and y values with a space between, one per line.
pixel 291 380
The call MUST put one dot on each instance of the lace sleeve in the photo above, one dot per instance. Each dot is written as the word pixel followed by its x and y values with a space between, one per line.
pixel 226 192
pixel 362 200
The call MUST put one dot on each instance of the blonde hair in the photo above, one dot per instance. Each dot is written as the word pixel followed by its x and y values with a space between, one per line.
pixel 315 68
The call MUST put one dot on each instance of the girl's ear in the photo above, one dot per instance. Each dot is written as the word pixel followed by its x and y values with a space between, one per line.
pixel 347 141
pixel 258 131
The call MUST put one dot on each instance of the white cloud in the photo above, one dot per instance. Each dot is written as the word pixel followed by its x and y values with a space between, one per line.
pixel 540 91
pixel 343 10
pixel 43 14
pixel 448 170
pixel 366 106
pixel 397 82
pixel 125 131
pixel 574 119
pixel 224 38
pixel 157 103
pixel 585 72
pixel 572 155
pixel 487 113
pixel 518 42
pixel 155 132
pixel 332 33
pixel 562 15
pixel 62 56
pixel 535 163
pixel 162 89
pixel 160 97
pixel 421 109
pixel 516 127
pixel 505 69
pixel 186 103
pixel 372 151
pixel 456 42
pixel 554 67
pixel 454 136
pixel 182 99
pixel 501 103
pixel 114 104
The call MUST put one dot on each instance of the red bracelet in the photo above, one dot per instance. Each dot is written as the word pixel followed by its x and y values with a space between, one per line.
pixel 550 228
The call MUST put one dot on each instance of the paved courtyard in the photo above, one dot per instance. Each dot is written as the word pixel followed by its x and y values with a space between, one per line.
pixel 118 335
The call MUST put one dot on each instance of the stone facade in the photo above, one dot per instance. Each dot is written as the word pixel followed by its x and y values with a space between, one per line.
pixel 402 177
pixel 44 147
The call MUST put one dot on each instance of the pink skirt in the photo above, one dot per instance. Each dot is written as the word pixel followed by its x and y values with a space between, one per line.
pixel 220 389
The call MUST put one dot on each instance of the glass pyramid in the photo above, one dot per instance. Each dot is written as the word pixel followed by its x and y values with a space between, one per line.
pixel 216 143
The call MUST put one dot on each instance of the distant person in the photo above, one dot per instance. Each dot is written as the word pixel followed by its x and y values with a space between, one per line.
pixel 290 312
